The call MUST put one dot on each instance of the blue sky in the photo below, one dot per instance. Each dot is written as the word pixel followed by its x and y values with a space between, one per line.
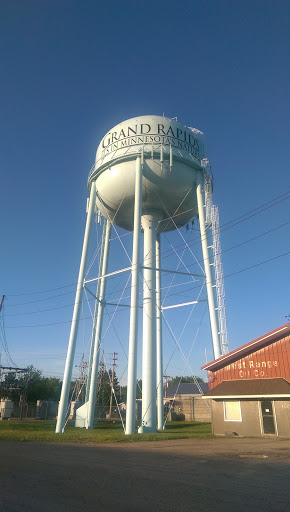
pixel 71 70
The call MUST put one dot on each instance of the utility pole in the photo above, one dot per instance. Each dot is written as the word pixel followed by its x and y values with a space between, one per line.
pixel 1 306
pixel 82 377
pixel 100 390
pixel 166 378
pixel 112 382
pixel 2 302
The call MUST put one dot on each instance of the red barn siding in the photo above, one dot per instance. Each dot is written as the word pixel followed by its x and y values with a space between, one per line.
pixel 272 360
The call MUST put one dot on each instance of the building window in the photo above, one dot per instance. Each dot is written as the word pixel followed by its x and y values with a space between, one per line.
pixel 232 411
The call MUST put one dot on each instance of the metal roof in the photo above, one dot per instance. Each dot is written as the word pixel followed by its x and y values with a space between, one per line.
pixel 254 345
pixel 251 388
pixel 186 388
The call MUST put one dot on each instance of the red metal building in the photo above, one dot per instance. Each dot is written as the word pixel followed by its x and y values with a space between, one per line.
pixel 250 389
pixel 264 358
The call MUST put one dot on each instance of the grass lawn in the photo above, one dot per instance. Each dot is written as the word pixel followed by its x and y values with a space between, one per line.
pixel 104 432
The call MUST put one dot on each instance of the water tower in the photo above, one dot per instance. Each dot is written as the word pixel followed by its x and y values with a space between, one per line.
pixel 150 176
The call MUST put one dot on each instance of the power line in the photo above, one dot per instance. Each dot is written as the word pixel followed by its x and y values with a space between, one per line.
pixel 226 226
pixel 40 300
pixel 190 265
pixel 42 291
pixel 245 241
pixel 267 205
pixel 114 277
pixel 3 337
pixel 238 271
pixel 115 291
pixel 198 286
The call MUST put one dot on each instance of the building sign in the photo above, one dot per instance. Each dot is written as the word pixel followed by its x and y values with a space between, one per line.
pixel 270 360
pixel 168 134
pixel 249 369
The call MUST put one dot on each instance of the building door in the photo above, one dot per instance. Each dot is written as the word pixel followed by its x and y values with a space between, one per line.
pixel 268 417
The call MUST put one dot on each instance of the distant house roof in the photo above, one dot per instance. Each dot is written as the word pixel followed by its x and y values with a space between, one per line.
pixel 254 345
pixel 251 388
pixel 186 388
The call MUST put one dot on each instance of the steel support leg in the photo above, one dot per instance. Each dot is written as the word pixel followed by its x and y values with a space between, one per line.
pixel 98 327
pixel 63 404
pixel 93 337
pixel 160 407
pixel 208 274
pixel 134 308
pixel 149 417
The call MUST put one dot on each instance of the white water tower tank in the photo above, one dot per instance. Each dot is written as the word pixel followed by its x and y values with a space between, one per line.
pixel 171 153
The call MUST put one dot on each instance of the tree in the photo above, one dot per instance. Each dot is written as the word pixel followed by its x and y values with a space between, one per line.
pixel 30 386
pixel 104 386
pixel 175 380
pixel 123 397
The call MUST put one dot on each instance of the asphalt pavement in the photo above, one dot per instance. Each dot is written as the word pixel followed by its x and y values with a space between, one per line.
pixel 185 475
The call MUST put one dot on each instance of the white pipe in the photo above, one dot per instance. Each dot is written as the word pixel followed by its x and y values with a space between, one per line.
pixel 149 416
pixel 160 406
pixel 98 329
pixel 181 305
pixel 207 269
pixel 62 410
pixel 174 272
pixel 109 274
pixel 134 308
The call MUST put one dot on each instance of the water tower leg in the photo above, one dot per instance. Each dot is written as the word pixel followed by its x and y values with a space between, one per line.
pixel 93 337
pixel 160 407
pixel 76 315
pixel 149 416
pixel 98 327
pixel 208 273
pixel 134 309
